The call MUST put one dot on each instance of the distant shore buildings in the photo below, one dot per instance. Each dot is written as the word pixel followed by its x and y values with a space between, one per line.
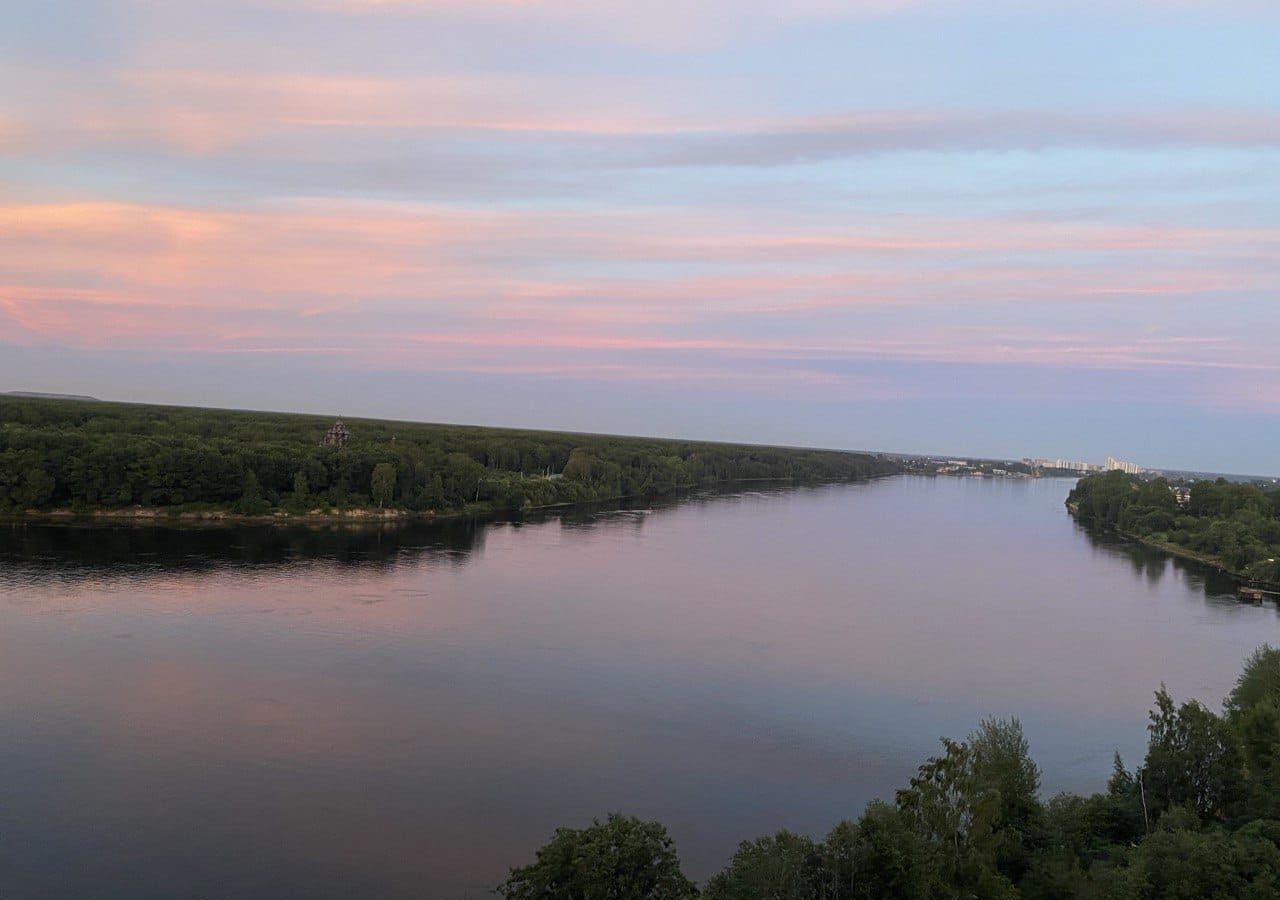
pixel 1071 465
pixel 1128 468
pixel 1027 467
pixel 1067 465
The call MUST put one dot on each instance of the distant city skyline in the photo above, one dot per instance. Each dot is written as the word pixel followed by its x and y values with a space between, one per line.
pixel 979 227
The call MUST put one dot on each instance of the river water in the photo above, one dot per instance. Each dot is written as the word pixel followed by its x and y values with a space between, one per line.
pixel 255 713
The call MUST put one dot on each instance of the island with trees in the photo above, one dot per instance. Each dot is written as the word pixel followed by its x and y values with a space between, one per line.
pixel 69 457
pixel 1199 818
pixel 1235 527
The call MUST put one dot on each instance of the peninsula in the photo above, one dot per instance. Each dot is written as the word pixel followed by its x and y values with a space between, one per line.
pixel 1234 527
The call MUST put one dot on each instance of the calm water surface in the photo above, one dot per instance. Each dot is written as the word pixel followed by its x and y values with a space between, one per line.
pixel 248 713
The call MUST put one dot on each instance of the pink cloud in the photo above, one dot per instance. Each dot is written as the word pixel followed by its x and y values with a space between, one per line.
pixel 611 121
pixel 632 290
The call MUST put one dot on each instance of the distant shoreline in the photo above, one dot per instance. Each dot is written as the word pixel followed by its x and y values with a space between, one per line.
pixel 160 515
pixel 119 462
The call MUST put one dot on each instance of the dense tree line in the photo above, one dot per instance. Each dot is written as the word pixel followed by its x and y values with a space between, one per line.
pixel 59 454
pixel 1237 525
pixel 1199 818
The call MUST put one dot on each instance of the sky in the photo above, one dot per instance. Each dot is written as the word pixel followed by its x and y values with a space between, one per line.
pixel 992 227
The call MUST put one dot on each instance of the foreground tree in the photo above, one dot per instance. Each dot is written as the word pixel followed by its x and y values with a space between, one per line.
pixel 622 858
pixel 881 857
pixel 1180 863
pixel 1004 770
pixel 785 866
pixel 1193 758
pixel 1259 681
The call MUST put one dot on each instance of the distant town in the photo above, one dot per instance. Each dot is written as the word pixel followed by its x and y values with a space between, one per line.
pixel 1028 467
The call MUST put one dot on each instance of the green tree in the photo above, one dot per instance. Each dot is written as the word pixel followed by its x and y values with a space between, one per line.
pixel 881 857
pixel 36 489
pixel 951 808
pixel 784 866
pixel 1181 864
pixel 383 483
pixel 1258 728
pixel 621 858
pixel 1192 757
pixel 1122 815
pixel 1259 680
pixel 1002 766
pixel 300 490
pixel 251 499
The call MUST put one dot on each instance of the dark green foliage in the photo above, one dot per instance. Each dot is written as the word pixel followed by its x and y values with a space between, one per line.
pixel 1199 819
pixel 621 858
pixel 301 491
pixel 1254 710
pixel 1183 864
pixel 1193 758
pixel 383 485
pixel 34 490
pixel 784 866
pixel 1259 729
pixel 65 454
pixel 881 857
pixel 956 806
pixel 251 502
pixel 1237 525
pixel 1003 768
pixel 1259 681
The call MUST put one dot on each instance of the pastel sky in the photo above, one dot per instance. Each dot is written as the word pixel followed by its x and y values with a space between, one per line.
pixel 998 227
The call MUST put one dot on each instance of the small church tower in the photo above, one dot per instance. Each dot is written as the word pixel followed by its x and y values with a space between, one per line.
pixel 337 435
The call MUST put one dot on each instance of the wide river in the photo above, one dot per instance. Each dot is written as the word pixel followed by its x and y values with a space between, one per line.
pixel 249 713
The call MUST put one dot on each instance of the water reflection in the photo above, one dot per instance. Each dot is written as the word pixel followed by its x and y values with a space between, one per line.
pixel 405 712
pixel 34 551
pixel 67 551
pixel 31 552
pixel 1153 565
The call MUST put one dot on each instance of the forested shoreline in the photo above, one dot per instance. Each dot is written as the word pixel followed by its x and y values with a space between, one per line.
pixel 1233 526
pixel 88 457
pixel 1199 818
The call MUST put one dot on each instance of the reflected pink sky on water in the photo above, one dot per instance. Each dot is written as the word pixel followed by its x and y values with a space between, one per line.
pixel 412 724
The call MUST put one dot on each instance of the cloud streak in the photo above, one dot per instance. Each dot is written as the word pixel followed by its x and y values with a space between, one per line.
pixel 440 289
pixel 265 114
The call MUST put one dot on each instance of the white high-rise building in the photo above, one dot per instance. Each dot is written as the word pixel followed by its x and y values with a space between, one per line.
pixel 1127 467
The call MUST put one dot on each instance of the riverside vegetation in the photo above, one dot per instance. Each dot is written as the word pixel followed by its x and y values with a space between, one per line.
pixel 92 456
pixel 1199 818
pixel 1233 526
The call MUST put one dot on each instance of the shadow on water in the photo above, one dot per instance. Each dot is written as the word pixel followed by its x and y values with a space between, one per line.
pixel 1153 565
pixel 49 551
pixel 133 550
